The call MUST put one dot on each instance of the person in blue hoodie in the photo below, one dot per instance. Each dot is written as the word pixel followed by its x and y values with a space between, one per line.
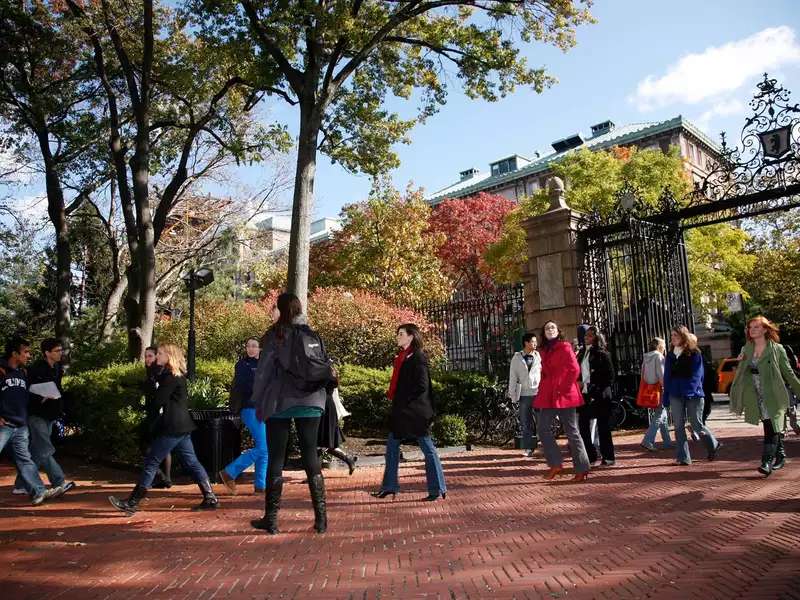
pixel 242 395
pixel 683 393
pixel 14 417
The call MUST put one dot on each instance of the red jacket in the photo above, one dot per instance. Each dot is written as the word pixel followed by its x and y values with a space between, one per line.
pixel 560 371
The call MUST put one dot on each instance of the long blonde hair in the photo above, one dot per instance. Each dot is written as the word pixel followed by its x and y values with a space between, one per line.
pixel 176 361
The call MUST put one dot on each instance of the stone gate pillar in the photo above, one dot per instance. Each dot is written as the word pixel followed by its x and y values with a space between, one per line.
pixel 551 272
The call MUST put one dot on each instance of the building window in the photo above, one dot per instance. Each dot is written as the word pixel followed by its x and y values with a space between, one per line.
pixel 504 166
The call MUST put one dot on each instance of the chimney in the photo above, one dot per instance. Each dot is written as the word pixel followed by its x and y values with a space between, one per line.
pixel 468 174
pixel 568 143
pixel 602 128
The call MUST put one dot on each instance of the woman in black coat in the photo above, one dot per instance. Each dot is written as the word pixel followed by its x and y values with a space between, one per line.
pixel 173 433
pixel 595 381
pixel 150 422
pixel 411 414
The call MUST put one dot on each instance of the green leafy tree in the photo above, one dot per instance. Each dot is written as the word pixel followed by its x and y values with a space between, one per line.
pixel 45 101
pixel 593 181
pixel 774 285
pixel 719 264
pixel 385 246
pixel 177 108
pixel 337 63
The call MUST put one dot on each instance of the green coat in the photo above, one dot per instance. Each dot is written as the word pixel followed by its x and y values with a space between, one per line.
pixel 775 373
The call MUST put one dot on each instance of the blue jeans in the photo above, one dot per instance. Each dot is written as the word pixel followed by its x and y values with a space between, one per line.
pixel 680 406
pixel 434 475
pixel 257 454
pixel 181 446
pixel 42 452
pixel 658 422
pixel 18 438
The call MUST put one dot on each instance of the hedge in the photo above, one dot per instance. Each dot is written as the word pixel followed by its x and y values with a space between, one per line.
pixel 108 403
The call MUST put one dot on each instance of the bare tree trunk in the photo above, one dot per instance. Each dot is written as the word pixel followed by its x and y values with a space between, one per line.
pixel 58 216
pixel 299 243
pixel 111 308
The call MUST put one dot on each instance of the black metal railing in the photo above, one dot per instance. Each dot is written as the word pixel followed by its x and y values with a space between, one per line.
pixel 480 331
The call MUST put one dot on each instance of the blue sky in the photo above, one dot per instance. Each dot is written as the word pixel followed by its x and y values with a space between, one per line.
pixel 644 60
pixel 598 80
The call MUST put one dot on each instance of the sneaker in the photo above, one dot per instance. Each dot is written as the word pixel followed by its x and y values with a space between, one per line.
pixel 527 453
pixel 19 492
pixel 608 463
pixel 60 490
pixel 647 446
pixel 683 463
pixel 39 498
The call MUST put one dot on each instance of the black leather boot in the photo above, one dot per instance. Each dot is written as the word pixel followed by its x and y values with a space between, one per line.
pixel 272 502
pixel 768 456
pixel 210 501
pixel 130 505
pixel 780 454
pixel 317 487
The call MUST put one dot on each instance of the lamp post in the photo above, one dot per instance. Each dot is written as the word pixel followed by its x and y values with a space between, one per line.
pixel 194 280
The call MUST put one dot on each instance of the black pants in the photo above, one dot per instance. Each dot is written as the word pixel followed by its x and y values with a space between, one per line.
pixel 278 441
pixel 601 410
pixel 770 434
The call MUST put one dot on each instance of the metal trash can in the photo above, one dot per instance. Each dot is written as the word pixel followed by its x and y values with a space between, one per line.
pixel 217 439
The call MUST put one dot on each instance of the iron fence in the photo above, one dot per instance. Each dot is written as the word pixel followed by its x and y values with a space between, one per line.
pixel 480 331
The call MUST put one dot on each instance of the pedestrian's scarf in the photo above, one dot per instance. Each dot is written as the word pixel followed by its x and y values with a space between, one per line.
pixel 398 362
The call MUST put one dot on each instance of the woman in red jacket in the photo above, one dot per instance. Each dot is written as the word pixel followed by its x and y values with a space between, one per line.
pixel 559 395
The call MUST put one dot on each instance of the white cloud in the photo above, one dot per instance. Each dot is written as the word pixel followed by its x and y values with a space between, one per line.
pixel 718 70
pixel 723 108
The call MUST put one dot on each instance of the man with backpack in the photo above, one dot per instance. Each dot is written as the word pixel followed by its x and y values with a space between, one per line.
pixel 43 412
pixel 14 416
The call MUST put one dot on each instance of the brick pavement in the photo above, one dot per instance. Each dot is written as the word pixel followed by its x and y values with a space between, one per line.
pixel 642 529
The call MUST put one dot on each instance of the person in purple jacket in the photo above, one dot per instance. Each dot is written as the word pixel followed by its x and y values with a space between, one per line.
pixel 683 392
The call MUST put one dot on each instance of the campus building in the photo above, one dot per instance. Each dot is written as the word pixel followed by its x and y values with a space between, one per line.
pixel 516 176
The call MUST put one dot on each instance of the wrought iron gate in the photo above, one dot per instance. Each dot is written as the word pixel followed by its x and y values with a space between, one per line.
pixel 634 276
pixel 635 287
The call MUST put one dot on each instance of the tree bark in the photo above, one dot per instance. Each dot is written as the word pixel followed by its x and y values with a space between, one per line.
pixel 302 201
pixel 58 216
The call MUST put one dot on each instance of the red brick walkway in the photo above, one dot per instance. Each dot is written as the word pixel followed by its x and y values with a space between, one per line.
pixel 645 528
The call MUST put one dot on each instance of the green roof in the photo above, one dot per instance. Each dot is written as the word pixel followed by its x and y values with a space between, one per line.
pixel 619 136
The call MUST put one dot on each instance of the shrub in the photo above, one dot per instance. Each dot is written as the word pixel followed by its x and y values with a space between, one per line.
pixel 450 430
pixel 459 392
pixel 360 328
pixel 221 327
pixel 363 392
pixel 108 405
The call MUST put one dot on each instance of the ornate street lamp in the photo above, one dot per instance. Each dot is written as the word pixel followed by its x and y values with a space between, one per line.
pixel 194 280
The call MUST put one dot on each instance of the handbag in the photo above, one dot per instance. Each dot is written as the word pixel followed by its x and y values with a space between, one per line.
pixel 341 411
pixel 649 395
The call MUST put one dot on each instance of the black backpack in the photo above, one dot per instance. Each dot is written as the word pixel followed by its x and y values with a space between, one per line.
pixel 309 368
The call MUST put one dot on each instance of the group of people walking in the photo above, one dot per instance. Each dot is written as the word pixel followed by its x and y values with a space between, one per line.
pixel 31 402
pixel 287 376
pixel 551 381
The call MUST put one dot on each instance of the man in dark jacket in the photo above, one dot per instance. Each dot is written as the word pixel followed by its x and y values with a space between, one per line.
pixel 43 412
pixel 14 416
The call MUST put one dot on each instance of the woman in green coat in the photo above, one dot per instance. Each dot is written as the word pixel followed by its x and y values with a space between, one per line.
pixel 759 388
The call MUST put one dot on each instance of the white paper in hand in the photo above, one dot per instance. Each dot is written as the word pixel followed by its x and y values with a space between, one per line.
pixel 47 389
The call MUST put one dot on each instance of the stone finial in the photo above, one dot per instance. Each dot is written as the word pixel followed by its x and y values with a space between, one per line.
pixel 555 187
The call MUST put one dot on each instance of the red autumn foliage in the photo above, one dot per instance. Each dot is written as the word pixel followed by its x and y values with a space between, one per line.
pixel 470 225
